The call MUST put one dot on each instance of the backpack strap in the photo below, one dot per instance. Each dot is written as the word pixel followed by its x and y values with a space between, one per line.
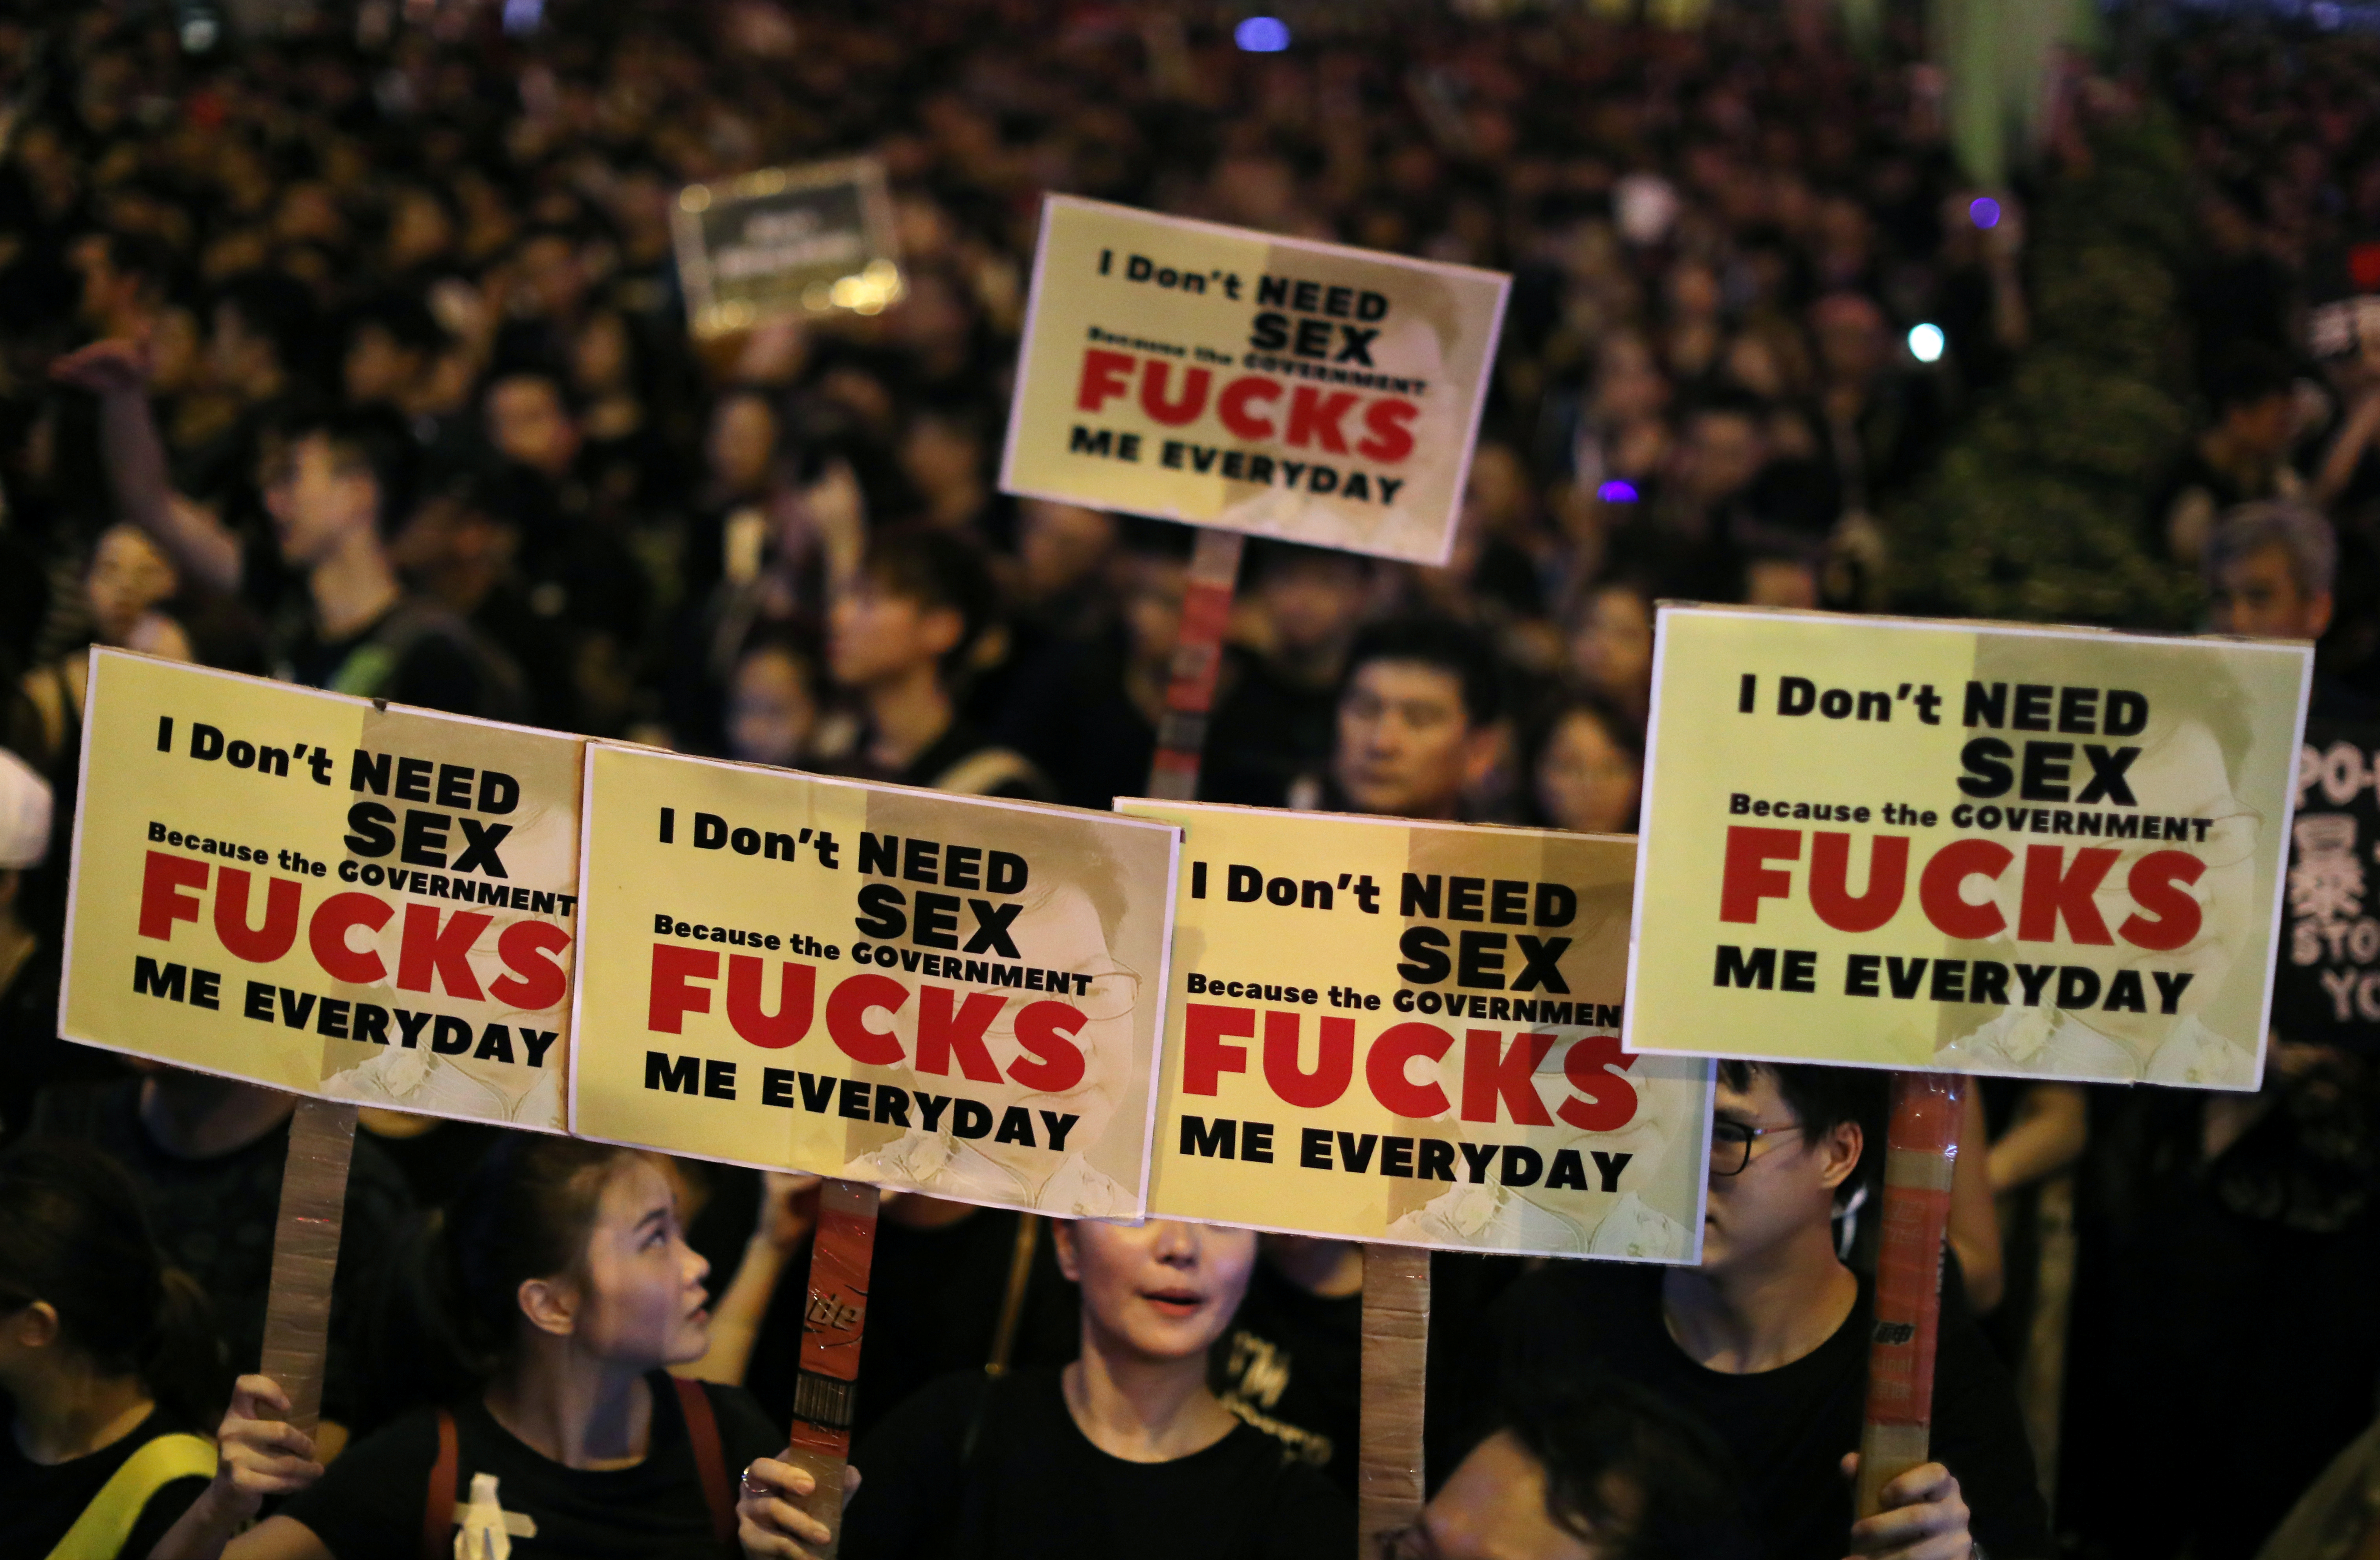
pixel 437 1507
pixel 709 1457
pixel 110 1518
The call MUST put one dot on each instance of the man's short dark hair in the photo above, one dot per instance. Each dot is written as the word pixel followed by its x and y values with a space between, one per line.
pixel 372 436
pixel 402 314
pixel 2246 374
pixel 1442 645
pixel 939 571
pixel 1822 1098
pixel 282 310
pixel 1626 1471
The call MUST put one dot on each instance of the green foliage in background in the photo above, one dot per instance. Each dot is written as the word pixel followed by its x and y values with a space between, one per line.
pixel 2038 511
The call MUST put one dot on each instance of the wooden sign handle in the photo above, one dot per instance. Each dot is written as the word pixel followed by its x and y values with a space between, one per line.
pixel 1197 660
pixel 826 1391
pixel 1921 1151
pixel 305 1254
pixel 1396 1359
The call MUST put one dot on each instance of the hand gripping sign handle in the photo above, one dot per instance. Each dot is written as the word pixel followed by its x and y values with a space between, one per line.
pixel 827 1389
pixel 1921 1150
pixel 1396 1356
pixel 1197 660
pixel 305 1253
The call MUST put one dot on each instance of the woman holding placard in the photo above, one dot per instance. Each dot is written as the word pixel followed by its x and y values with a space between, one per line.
pixel 106 1358
pixel 567 1288
pixel 1123 1452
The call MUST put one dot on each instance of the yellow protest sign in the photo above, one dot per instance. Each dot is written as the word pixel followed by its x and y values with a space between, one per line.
pixel 1228 378
pixel 315 892
pixel 944 994
pixel 1410 1032
pixel 1965 847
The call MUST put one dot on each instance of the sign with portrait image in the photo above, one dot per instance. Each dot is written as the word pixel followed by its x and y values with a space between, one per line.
pixel 1965 847
pixel 2329 982
pixel 1407 1033
pixel 346 900
pixel 1275 386
pixel 934 993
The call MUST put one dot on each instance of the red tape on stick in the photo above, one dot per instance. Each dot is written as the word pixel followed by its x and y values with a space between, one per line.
pixel 826 1391
pixel 1197 660
pixel 305 1254
pixel 1921 1150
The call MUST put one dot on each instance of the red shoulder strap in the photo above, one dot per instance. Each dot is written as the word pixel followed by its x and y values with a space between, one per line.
pixel 438 1507
pixel 709 1458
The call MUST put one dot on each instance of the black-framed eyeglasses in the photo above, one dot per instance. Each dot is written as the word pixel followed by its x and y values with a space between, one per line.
pixel 1731 1144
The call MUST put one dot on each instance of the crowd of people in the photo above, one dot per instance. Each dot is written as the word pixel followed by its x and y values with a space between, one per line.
pixel 354 353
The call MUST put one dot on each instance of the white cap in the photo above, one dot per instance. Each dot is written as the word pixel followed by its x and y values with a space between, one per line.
pixel 24 814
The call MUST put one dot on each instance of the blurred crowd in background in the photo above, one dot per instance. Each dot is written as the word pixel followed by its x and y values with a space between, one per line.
pixel 413 262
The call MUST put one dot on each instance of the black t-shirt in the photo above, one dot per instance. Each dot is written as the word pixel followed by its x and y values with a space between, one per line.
pixel 38 1504
pixel 1292 1366
pixel 368 1505
pixel 214 1218
pixel 1788 1428
pixel 414 653
pixel 969 1472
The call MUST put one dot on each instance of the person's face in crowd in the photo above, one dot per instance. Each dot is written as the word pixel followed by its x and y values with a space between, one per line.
pixel 1850 339
pixel 551 277
pixel 1780 581
pixel 111 297
pixel 1612 649
pixel 2262 427
pixel 528 423
pixel 127 576
pixel 1693 292
pixel 944 459
pixel 1789 1187
pixel 242 359
pixel 1493 1507
pixel 318 497
pixel 770 710
pixel 379 369
pixel 1586 781
pixel 638 1298
pixel 598 358
pixel 1062 546
pixel 1500 489
pixel 1315 604
pixel 419 231
pixel 743 444
pixel 1153 612
pixel 1159 1291
pixel 2259 594
pixel 875 633
pixel 1407 745
pixel 1723 453
pixel 1751 363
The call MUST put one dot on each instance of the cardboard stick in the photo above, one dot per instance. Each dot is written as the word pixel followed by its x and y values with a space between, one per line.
pixel 826 1391
pixel 1396 1357
pixel 1197 658
pixel 305 1254
pixel 1921 1151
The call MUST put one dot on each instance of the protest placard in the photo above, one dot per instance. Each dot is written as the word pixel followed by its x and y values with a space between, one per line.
pixel 2327 988
pixel 1964 847
pixel 322 894
pixel 1409 1032
pixel 786 242
pixel 1261 384
pixel 937 993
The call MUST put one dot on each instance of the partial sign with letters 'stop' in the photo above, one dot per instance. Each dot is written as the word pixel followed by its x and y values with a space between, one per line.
pixel 2328 987
pixel 787 243
pixel 1964 847
pixel 322 894
pixel 934 993
pixel 1275 386
pixel 1407 1033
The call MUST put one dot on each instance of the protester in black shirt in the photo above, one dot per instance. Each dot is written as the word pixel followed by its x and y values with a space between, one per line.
pixel 1292 1364
pixel 566 1287
pixel 1123 1452
pixel 1766 1343
pixel 106 1364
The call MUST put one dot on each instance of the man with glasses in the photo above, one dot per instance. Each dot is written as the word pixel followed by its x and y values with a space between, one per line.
pixel 1766 1343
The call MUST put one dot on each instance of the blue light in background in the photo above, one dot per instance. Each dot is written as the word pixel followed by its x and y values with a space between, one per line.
pixel 1927 342
pixel 1617 492
pixel 1983 211
pixel 1262 35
